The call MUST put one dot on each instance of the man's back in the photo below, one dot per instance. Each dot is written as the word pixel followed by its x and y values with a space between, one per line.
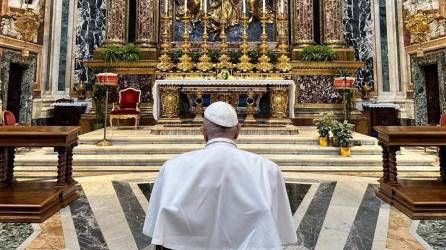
pixel 220 198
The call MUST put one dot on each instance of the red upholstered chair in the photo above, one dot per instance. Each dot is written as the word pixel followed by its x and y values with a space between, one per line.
pixel 129 99
pixel 8 118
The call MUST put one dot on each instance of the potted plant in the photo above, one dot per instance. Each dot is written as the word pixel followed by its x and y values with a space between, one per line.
pixel 117 52
pixel 317 53
pixel 323 125
pixel 343 135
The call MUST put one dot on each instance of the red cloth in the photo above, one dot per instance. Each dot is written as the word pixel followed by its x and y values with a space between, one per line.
pixel 125 112
pixel 129 98
pixel 9 119
pixel 443 120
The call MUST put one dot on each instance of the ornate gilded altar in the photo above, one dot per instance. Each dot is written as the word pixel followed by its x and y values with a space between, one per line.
pixel 262 101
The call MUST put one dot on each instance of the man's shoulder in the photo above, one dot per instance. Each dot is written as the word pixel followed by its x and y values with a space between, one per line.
pixel 259 158
pixel 184 157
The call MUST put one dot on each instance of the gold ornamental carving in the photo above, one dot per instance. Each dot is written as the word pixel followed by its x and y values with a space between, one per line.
pixel 27 24
pixel 303 23
pixel 264 64
pixel 279 102
pixel 116 21
pixel 283 62
pixel 224 61
pixel 333 35
pixel 165 63
pixel 418 26
pixel 170 99
pixel 244 64
pixel 145 23
pixel 250 101
pixel 185 64
pixel 205 63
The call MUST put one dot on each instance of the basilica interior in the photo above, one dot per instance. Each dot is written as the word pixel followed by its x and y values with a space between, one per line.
pixel 348 97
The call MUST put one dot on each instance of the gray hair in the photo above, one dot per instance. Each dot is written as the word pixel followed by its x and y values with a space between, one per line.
pixel 215 131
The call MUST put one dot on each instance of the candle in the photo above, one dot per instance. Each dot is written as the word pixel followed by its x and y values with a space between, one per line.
pixel 282 7
pixel 205 6
pixel 244 7
pixel 264 7
pixel 185 7
pixel 166 8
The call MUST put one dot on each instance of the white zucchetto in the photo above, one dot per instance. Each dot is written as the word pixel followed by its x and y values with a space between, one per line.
pixel 222 114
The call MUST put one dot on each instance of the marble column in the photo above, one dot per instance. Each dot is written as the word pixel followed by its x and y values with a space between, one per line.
pixel 116 21
pixel 4 7
pixel 303 23
pixel 332 24
pixel 145 23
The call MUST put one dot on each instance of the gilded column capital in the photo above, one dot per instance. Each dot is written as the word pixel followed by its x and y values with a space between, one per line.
pixel 332 26
pixel 145 23
pixel 303 23
pixel 116 21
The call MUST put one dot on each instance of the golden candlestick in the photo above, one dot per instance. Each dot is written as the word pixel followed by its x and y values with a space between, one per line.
pixel 244 64
pixel 205 61
pixel 165 63
pixel 264 64
pixel 283 62
pixel 185 64
pixel 224 59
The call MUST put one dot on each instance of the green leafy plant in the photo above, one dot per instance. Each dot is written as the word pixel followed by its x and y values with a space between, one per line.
pixel 272 56
pixel 342 73
pixel 318 53
pixel 235 56
pixel 117 52
pixel 99 97
pixel 195 56
pixel 254 55
pixel 343 133
pixel 214 55
pixel 176 55
pixel 323 124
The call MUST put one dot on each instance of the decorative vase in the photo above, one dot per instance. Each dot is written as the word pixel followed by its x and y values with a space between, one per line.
pixel 345 151
pixel 323 141
pixel 344 82
pixel 107 79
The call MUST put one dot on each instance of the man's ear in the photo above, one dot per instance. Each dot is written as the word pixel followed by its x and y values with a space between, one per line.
pixel 239 127
pixel 204 132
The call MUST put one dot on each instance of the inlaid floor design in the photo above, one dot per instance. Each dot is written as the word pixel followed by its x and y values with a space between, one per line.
pixel 328 213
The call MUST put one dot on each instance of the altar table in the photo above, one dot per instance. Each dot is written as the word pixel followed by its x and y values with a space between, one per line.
pixel 241 85
pixel 418 199
pixel 35 201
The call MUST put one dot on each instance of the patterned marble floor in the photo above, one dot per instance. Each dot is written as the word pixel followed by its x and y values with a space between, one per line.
pixel 329 212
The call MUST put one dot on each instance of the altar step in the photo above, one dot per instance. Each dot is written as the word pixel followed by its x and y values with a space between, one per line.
pixel 141 151
pixel 125 159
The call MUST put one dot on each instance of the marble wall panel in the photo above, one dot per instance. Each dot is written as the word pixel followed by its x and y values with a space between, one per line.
pixel 11 56
pixel 358 33
pixel 419 82
pixel 90 33
pixel 141 82
pixel 316 89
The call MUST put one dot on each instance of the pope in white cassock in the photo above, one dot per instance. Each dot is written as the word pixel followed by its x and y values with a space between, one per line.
pixel 220 197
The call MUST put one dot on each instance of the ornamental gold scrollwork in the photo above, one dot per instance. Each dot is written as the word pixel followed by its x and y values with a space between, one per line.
pixel 279 102
pixel 170 98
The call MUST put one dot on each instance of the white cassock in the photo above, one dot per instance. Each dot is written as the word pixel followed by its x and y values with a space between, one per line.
pixel 220 197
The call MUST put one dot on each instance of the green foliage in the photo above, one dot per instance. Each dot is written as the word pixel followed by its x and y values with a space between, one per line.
pixel 254 55
pixel 214 55
pixel 195 56
pixel 176 55
pixel 342 73
pixel 323 124
pixel 117 52
pixel 272 56
pixel 318 53
pixel 235 56
pixel 99 97
pixel 343 133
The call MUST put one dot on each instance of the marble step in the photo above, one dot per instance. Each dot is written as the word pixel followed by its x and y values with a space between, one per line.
pixel 280 149
pixel 50 171
pixel 150 139
pixel 282 160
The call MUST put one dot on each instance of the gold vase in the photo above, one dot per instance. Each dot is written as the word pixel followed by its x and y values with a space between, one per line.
pixel 345 151
pixel 323 141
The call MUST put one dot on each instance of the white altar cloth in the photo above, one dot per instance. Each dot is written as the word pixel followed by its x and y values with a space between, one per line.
pixel 204 82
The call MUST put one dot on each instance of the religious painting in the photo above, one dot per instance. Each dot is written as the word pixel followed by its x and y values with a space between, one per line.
pixel 224 14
